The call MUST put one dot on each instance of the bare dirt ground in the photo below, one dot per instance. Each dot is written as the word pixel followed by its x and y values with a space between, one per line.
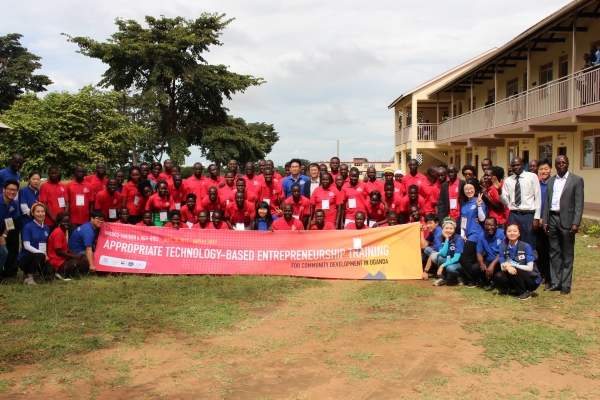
pixel 319 344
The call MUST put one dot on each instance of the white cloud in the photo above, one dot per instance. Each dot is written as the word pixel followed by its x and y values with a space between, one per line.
pixel 331 67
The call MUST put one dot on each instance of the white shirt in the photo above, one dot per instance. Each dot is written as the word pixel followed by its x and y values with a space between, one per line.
pixel 557 189
pixel 531 195
pixel 314 185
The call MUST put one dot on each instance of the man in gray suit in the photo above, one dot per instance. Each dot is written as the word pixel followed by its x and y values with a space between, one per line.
pixel 562 217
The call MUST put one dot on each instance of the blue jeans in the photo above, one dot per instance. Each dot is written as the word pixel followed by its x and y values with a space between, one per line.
pixel 451 270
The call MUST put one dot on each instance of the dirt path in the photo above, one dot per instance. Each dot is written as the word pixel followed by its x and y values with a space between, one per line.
pixel 324 343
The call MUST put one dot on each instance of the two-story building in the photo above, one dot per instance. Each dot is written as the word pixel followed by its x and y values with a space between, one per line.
pixel 530 98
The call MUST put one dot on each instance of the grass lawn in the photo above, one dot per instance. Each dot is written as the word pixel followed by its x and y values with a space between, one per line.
pixel 275 337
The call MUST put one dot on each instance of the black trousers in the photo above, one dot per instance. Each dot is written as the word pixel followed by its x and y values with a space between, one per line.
pixel 528 235
pixel 543 250
pixel 521 281
pixel 74 266
pixel 468 258
pixel 562 253
pixel 36 263
pixel 475 274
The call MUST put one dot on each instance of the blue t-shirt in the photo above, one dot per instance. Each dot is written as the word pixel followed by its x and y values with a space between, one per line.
pixel 82 237
pixel 490 245
pixel 456 245
pixel 432 235
pixel 262 224
pixel 7 174
pixel 34 234
pixel 27 197
pixel 10 210
pixel 472 228
pixel 287 183
pixel 522 259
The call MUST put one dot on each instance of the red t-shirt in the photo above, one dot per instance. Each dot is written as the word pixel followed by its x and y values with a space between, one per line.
pixel 192 182
pixel 253 184
pixel 237 216
pixel 327 226
pixel 398 188
pixel 106 203
pixel 57 240
pixel 376 213
pixel 181 226
pixel 132 199
pixel 50 193
pixel 332 196
pixel 250 195
pixel 97 183
pixel 212 226
pixel 273 192
pixel 352 227
pixel 419 180
pixel 454 195
pixel 141 223
pixel 334 174
pixel 178 194
pixel 434 197
pixel 395 203
pixel 377 185
pixel 207 205
pixel 190 215
pixel 302 208
pixel 431 187
pixel 359 195
pixel 80 214
pixel 156 203
pixel 165 177
pixel 500 216
pixel 406 203
pixel 293 224
pixel 225 192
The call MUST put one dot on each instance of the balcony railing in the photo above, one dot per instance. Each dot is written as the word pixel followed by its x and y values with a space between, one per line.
pixel 425 133
pixel 567 93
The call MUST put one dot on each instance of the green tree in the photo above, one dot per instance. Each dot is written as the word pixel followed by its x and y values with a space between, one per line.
pixel 238 140
pixel 165 63
pixel 16 71
pixel 66 129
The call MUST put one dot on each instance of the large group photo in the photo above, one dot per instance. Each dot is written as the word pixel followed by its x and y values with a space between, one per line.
pixel 297 201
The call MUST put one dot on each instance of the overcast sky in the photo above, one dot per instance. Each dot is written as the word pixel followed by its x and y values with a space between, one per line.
pixel 332 67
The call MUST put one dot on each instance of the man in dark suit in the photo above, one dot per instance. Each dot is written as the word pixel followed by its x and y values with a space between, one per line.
pixel 450 201
pixel 562 216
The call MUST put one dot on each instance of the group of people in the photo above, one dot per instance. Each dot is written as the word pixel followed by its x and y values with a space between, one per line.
pixel 475 231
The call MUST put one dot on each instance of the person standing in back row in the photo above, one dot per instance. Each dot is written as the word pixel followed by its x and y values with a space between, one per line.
pixel 521 194
pixel 562 217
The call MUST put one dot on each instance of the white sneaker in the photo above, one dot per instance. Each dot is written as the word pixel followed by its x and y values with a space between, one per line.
pixel 460 280
pixel 57 275
pixel 29 281
pixel 439 282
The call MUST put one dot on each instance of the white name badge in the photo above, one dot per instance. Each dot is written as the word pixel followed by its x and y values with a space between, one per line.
pixel 453 204
pixel 357 243
pixel 189 224
pixel 9 223
pixel 136 200
pixel 42 247
pixel 463 223
pixel 371 223
pixel 226 202
pixel 351 203
pixel 112 213
pixel 178 206
pixel 79 200
pixel 239 226
pixel 325 204
pixel 296 216
pixel 267 200
pixel 211 213
pixel 61 202
pixel 162 216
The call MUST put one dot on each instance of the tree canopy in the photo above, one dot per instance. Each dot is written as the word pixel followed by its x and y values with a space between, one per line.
pixel 16 71
pixel 66 129
pixel 165 64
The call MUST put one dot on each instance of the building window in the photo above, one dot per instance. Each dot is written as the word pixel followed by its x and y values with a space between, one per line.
pixel 399 119
pixel 492 155
pixel 469 158
pixel 512 87
pixel 546 73
pixel 545 148
pixel 591 149
pixel 358 164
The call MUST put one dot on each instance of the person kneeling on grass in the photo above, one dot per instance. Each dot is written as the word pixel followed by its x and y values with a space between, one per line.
pixel 449 255
pixel 358 224
pixel 433 230
pixel 33 259
pixel 517 264
pixel 65 262
pixel 82 239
